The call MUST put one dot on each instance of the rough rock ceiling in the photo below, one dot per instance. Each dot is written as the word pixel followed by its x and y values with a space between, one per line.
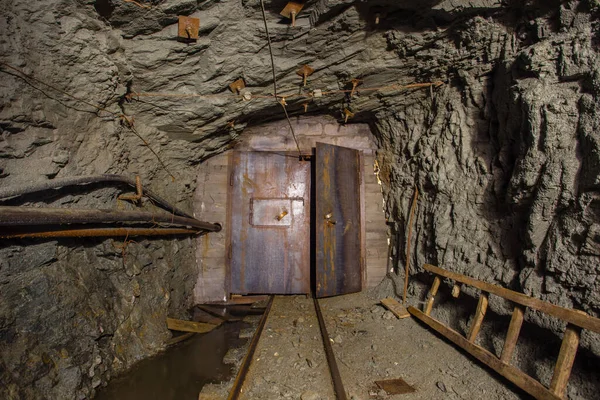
pixel 108 49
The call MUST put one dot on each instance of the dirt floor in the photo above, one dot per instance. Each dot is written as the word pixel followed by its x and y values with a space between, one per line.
pixel 370 344
pixel 290 360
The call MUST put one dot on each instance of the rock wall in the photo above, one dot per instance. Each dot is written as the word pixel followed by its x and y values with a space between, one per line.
pixel 73 313
pixel 505 154
pixel 506 162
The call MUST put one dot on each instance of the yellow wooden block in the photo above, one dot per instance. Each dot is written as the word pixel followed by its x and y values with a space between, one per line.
pixel 189 326
pixel 396 308
pixel 188 27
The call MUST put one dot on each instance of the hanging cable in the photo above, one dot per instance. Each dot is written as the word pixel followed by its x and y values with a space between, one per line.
pixel 128 123
pixel 282 102
pixel 136 95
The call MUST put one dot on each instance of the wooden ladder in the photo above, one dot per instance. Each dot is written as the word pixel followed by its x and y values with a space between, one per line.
pixel 576 321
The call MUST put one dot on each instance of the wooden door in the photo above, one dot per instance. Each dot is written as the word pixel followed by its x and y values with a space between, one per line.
pixel 337 221
pixel 270 224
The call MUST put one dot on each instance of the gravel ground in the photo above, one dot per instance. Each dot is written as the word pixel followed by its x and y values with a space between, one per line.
pixel 290 361
pixel 370 344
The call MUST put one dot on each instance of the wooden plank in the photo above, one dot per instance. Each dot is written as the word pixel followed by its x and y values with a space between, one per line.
pixel 205 317
pixel 238 299
pixel 575 317
pixel 189 326
pixel 179 338
pixel 431 295
pixel 478 319
pixel 219 312
pixel 396 308
pixel 513 374
pixel 513 334
pixel 410 224
pixel 566 357
pixel 456 290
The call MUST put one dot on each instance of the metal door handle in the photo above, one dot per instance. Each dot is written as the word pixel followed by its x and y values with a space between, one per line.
pixel 328 219
pixel 280 216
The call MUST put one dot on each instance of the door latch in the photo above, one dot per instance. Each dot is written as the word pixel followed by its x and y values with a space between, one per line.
pixel 280 216
pixel 328 219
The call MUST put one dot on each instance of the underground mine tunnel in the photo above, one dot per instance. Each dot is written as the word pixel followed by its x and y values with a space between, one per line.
pixel 328 199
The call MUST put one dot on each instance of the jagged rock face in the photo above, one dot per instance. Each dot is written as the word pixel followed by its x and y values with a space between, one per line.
pixel 505 154
pixel 506 160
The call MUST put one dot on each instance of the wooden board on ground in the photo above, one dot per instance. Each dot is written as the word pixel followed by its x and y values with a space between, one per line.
pixel 180 338
pixel 205 317
pixel 396 308
pixel 189 326
pixel 237 299
pixel 219 312
pixel 395 386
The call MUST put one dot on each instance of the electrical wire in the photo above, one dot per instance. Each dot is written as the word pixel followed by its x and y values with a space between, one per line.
pixel 128 122
pixel 282 102
pixel 281 99
pixel 136 95
pixel 264 15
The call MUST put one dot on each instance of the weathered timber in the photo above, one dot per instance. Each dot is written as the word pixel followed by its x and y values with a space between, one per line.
pixel 566 357
pixel 574 317
pixel 513 334
pixel 96 232
pixel 32 216
pixel 180 338
pixel 396 308
pixel 513 374
pixel 431 295
pixel 479 315
pixel 189 326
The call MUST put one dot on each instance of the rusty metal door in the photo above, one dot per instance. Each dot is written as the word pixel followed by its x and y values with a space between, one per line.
pixel 337 220
pixel 270 224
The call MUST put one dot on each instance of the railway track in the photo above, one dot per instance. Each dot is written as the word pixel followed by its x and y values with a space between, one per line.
pixel 244 378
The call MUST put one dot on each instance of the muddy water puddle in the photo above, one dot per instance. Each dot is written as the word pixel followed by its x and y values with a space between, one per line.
pixel 181 371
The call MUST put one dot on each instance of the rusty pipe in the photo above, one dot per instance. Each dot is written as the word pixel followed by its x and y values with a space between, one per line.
pixel 15 191
pixel 30 216
pixel 102 232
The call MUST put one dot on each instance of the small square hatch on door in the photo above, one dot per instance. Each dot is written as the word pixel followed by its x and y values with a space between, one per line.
pixel 273 212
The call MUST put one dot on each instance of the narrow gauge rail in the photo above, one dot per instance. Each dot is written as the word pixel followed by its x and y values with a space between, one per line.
pixel 336 378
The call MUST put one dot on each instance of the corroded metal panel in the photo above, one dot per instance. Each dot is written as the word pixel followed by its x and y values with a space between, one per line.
pixel 337 219
pixel 271 212
pixel 270 224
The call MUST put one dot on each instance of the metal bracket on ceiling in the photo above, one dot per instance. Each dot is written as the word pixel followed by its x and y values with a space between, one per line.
pixel 291 10
pixel 188 28
pixel 347 114
pixel 237 86
pixel 305 72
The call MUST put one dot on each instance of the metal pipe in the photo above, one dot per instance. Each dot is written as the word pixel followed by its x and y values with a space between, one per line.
pixel 30 216
pixel 102 232
pixel 15 191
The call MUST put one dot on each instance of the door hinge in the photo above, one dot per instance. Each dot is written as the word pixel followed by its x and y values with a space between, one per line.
pixel 231 179
pixel 230 252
